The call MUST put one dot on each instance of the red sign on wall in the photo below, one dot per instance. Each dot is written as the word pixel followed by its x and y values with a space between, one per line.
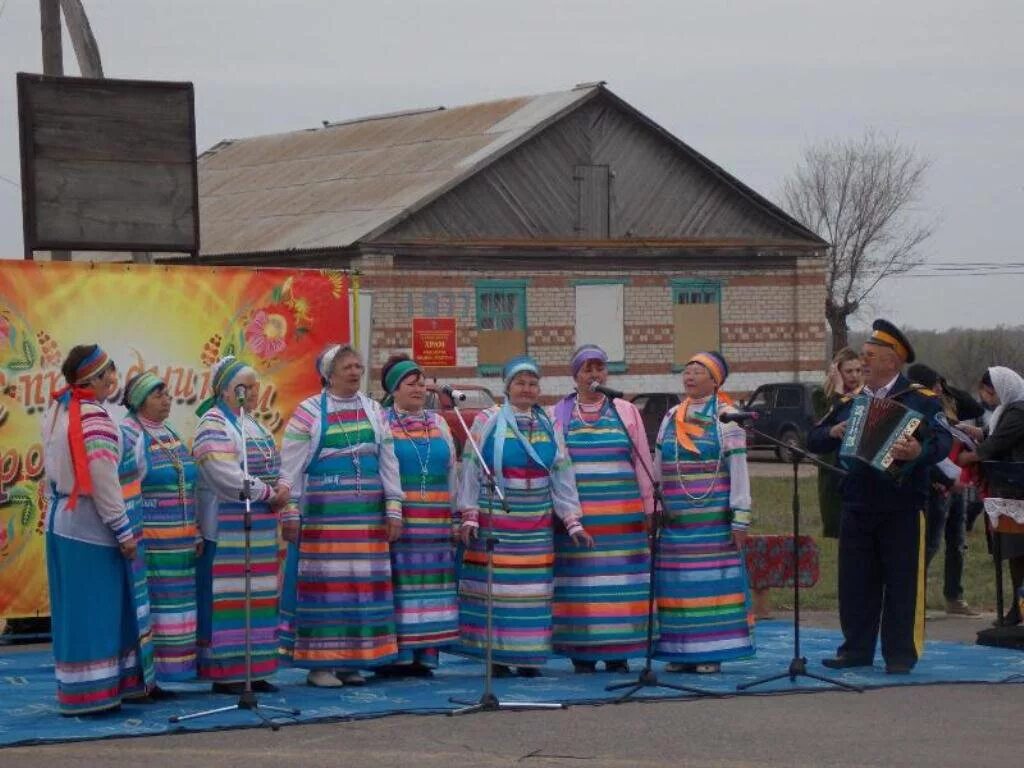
pixel 433 341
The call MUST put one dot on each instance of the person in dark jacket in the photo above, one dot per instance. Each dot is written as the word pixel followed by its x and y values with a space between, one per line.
pixel 881 558
pixel 1003 440
pixel 947 508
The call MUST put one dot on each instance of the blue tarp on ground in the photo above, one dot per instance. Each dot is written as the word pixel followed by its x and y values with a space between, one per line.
pixel 28 711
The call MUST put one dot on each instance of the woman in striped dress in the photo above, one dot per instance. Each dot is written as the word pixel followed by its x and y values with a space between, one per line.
pixel 422 562
pixel 346 506
pixel 98 648
pixel 528 457
pixel 221 437
pixel 703 598
pixel 601 594
pixel 158 464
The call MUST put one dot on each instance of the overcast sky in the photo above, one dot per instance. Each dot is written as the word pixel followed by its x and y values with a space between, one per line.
pixel 747 83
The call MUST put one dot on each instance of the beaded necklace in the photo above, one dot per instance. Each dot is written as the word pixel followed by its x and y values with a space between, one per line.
pixel 698 499
pixel 179 467
pixel 424 460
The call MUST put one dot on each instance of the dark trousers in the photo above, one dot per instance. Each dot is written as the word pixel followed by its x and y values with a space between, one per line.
pixel 947 516
pixel 881 583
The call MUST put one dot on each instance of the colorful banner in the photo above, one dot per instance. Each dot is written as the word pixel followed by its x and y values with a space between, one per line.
pixel 434 341
pixel 172 320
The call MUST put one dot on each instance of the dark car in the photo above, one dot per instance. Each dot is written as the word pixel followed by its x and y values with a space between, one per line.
pixel 785 411
pixel 653 406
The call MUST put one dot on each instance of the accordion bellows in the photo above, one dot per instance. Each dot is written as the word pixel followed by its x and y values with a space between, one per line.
pixel 873 427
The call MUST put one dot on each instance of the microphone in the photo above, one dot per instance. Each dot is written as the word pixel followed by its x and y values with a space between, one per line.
pixel 240 393
pixel 455 394
pixel 611 394
pixel 738 417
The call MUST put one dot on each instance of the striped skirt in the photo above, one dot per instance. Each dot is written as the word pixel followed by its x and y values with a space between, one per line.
pixel 171 563
pixel 220 582
pixel 95 626
pixel 426 604
pixel 338 604
pixel 701 583
pixel 523 567
pixel 601 594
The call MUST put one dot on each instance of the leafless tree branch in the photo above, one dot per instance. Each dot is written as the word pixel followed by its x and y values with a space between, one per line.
pixel 861 196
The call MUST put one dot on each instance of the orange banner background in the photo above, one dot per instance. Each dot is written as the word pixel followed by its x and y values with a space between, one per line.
pixel 173 320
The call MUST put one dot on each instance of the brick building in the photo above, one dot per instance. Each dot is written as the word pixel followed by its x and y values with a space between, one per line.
pixel 539 223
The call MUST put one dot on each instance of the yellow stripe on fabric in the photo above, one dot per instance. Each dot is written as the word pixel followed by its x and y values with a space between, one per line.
pixel 919 605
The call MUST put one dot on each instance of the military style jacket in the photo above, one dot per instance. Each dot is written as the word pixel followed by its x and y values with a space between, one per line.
pixel 906 489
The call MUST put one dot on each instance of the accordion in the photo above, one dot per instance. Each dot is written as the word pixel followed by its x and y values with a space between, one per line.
pixel 872 428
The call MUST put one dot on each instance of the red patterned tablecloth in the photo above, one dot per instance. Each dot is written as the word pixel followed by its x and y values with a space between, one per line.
pixel 770 561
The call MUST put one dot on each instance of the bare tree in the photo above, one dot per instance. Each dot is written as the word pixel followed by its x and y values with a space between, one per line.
pixel 860 195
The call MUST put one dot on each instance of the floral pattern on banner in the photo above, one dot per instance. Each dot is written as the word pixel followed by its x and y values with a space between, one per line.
pixel 770 561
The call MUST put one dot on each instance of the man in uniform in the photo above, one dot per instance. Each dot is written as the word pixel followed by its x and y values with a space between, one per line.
pixel 881 535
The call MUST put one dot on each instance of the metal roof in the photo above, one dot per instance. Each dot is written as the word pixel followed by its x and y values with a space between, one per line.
pixel 332 186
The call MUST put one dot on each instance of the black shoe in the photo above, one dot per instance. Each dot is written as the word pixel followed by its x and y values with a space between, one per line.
pixel 846 662
pixel 416 669
pixel 618 667
pixel 391 671
pixel 262 686
pixel 528 671
pixel 584 667
pixel 898 669
pixel 501 670
pixel 230 689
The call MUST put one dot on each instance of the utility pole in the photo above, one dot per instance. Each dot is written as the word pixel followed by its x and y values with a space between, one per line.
pixel 53 64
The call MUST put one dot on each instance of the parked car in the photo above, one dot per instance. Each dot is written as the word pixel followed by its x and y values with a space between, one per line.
pixel 477 399
pixel 653 406
pixel 785 411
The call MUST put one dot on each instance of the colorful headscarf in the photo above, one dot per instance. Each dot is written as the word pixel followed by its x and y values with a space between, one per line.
pixel 516 366
pixel 715 364
pixel 93 365
pixel 583 354
pixel 72 397
pixel 139 388
pixel 397 373
pixel 222 374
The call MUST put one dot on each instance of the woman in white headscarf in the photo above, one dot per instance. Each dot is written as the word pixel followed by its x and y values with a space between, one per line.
pixel 1003 440
pixel 338 460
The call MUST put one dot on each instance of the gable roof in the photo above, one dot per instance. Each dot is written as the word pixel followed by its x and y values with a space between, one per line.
pixel 334 186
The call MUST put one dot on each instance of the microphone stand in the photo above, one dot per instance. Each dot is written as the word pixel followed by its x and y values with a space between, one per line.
pixel 489 701
pixel 648 678
pixel 247 699
pixel 798 664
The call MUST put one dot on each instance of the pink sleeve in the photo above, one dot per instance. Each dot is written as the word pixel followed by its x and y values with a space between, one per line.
pixel 635 427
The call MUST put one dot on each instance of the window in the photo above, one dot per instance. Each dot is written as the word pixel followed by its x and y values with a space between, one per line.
pixel 500 322
pixel 762 400
pixel 593 201
pixel 696 318
pixel 788 397
pixel 600 313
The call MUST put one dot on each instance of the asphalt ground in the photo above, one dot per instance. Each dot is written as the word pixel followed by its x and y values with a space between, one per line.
pixel 936 725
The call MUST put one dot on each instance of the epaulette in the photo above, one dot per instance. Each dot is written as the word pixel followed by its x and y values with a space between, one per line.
pixel 924 390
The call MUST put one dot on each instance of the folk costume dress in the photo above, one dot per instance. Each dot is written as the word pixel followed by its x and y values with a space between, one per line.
pixel 530 462
pixel 704 611
pixel 157 463
pixel 422 560
pixel 338 603
pixel 221 436
pixel 601 594
pixel 101 643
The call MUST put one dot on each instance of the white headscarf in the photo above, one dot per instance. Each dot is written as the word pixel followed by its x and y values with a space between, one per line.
pixel 1009 387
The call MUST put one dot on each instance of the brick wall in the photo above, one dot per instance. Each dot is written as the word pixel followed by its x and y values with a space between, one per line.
pixel 772 324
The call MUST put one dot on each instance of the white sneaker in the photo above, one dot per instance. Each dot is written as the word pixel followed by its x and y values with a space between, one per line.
pixel 323 678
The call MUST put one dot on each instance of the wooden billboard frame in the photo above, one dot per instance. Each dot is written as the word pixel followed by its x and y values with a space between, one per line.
pixel 29 123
